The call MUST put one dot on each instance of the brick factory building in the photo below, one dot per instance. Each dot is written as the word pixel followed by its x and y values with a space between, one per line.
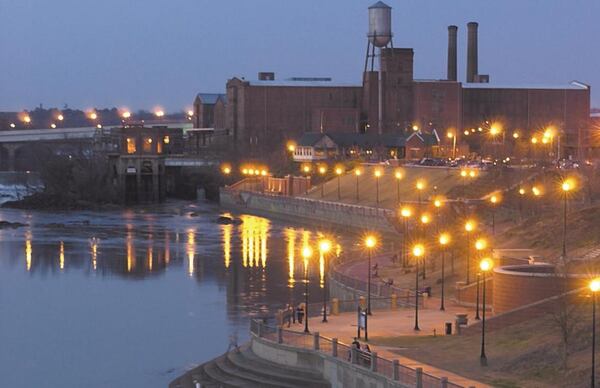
pixel 262 115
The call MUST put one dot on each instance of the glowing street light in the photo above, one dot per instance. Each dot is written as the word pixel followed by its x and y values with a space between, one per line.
pixel 480 245
pixel 418 252
pixel 469 228
pixel 378 173
pixel 126 114
pixel 93 115
pixel 322 171
pixel 399 175
pixel 60 117
pixel 339 171
pixel 405 213
pixel 444 240
pixel 370 242
pixel 594 287
pixel 567 186
pixel 494 201
pixel 159 113
pixel 324 248
pixel 306 255
pixel 420 186
pixel 357 172
pixel 485 266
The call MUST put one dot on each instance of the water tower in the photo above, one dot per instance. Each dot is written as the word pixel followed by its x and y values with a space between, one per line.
pixel 380 36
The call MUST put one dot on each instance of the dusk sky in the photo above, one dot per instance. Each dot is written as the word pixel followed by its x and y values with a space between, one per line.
pixel 142 54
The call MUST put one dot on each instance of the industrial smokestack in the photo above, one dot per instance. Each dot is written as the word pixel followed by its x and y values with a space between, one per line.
pixel 452 30
pixel 472 51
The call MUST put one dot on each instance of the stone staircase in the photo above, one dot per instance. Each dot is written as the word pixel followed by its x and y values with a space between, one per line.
pixel 242 368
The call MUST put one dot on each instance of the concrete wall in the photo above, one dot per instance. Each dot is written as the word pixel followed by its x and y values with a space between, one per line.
pixel 339 373
pixel 350 216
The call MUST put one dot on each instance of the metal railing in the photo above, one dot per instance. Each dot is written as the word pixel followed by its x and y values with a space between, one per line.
pixel 331 347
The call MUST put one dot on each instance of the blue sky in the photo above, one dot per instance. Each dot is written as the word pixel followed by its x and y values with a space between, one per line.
pixel 147 53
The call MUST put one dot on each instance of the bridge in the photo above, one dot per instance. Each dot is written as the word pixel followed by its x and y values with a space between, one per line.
pixel 27 144
pixel 20 149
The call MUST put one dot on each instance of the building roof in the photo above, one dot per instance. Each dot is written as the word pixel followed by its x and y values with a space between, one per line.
pixel 211 98
pixel 380 4
pixel 306 83
pixel 309 139
pixel 570 86
pixel 352 139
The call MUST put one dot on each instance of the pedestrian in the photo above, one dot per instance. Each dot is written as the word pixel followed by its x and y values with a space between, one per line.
pixel 300 313
pixel 356 344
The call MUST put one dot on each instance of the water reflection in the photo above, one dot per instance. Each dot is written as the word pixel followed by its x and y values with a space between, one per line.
pixel 61 256
pixel 191 251
pixel 131 259
pixel 290 235
pixel 94 251
pixel 28 250
pixel 254 234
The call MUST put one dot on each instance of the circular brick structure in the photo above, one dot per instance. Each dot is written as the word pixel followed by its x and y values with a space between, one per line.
pixel 519 285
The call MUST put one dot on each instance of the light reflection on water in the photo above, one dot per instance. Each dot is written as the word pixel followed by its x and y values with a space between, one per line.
pixel 162 288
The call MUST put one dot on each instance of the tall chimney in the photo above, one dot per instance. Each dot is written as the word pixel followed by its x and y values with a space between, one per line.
pixel 452 30
pixel 472 51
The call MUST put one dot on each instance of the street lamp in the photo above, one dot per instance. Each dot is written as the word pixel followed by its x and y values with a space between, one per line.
pixel 357 172
pixel 339 171
pixel 306 255
pixel 322 171
pixel 418 251
pixel 522 192
pixel 378 173
pixel 469 228
pixel 452 135
pixel 444 241
pixel 485 265
pixel 406 213
pixel 398 174
pixel 420 186
pixel 494 200
pixel 324 248
pixel 370 242
pixel 425 220
pixel 567 186
pixel 594 287
pixel 480 245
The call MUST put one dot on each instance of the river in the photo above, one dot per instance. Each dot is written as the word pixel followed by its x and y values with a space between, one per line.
pixel 135 297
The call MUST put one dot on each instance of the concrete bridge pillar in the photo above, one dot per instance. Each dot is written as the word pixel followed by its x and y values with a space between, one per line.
pixel 11 152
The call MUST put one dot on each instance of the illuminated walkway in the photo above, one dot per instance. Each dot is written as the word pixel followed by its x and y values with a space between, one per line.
pixel 394 324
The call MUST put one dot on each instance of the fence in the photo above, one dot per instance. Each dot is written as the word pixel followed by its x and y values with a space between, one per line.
pixel 405 297
pixel 331 347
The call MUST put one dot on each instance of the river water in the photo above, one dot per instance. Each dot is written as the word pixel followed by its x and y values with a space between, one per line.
pixel 135 297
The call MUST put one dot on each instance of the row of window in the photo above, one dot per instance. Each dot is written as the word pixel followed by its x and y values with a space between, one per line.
pixel 146 144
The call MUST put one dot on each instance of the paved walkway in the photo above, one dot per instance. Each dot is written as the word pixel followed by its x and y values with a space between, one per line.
pixel 393 324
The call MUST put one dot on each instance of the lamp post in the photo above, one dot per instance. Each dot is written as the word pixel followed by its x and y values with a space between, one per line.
pixel 406 213
pixel 418 252
pixel 370 243
pixel 480 245
pixel 437 203
pixel 324 248
pixel 357 172
pixel 306 255
pixel 485 265
pixel 322 171
pixel 339 171
pixel 594 287
pixel 522 192
pixel 494 200
pixel 420 186
pixel 399 177
pixel 452 135
pixel 378 174
pixel 537 194
pixel 444 241
pixel 469 227
pixel 567 185
pixel 425 220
